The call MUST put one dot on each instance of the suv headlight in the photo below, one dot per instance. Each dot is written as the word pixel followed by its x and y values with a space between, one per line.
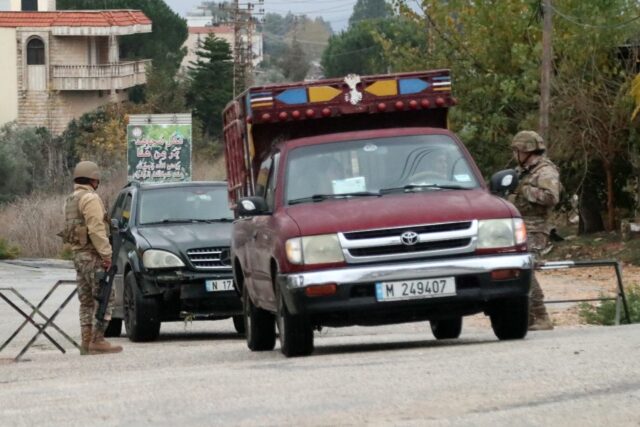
pixel 153 258
pixel 501 233
pixel 322 249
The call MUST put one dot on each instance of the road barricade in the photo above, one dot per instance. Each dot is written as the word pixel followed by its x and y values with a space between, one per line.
pixel 5 294
pixel 620 298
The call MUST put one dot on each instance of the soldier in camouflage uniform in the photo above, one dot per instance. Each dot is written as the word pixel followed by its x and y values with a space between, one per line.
pixel 537 193
pixel 86 231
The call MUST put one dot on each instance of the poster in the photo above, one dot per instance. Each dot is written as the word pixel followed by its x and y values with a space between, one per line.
pixel 159 150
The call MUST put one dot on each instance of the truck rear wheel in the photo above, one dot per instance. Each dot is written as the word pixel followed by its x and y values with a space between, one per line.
pixel 259 324
pixel 444 329
pixel 510 318
pixel 295 332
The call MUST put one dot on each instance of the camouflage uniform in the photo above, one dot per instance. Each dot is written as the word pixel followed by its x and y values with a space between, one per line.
pixel 538 192
pixel 86 230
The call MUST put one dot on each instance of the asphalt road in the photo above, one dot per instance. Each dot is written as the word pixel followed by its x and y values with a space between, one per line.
pixel 202 374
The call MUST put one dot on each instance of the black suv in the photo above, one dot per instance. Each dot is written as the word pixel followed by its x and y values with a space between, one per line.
pixel 172 243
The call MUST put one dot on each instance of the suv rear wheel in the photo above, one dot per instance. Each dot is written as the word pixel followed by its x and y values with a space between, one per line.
pixel 510 318
pixel 260 327
pixel 295 332
pixel 446 328
pixel 141 314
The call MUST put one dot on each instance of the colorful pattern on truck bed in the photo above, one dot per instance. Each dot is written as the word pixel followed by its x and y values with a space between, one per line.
pixel 263 115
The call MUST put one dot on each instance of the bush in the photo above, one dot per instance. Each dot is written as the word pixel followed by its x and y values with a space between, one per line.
pixel 7 251
pixel 605 312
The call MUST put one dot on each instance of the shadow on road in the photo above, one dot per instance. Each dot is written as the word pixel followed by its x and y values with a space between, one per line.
pixel 199 336
pixel 399 345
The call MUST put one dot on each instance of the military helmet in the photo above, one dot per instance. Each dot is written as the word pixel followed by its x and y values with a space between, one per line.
pixel 528 141
pixel 87 170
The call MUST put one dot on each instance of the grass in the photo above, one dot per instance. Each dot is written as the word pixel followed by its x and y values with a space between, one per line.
pixel 604 313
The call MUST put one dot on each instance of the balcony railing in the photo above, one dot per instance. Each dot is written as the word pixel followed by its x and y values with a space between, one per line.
pixel 121 75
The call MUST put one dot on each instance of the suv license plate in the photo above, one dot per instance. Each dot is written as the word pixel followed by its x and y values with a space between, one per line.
pixel 416 289
pixel 218 285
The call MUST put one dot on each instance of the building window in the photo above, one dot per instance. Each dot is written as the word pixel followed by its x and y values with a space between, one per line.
pixel 35 52
pixel 29 5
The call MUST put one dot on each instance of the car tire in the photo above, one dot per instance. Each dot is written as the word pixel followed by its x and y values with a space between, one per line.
pixel 141 314
pixel 238 324
pixel 114 329
pixel 510 318
pixel 260 325
pixel 445 329
pixel 295 332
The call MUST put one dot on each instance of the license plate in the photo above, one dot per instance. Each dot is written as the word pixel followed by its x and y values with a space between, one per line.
pixel 416 289
pixel 219 285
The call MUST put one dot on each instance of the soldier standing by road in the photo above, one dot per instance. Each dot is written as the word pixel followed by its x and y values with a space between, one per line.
pixel 537 193
pixel 86 230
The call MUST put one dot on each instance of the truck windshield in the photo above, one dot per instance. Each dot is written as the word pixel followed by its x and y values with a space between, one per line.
pixel 184 204
pixel 376 166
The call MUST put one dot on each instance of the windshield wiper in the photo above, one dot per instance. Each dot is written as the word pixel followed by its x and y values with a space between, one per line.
pixel 321 197
pixel 215 220
pixel 413 187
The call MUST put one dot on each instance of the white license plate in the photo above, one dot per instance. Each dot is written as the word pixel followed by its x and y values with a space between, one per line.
pixel 416 289
pixel 218 285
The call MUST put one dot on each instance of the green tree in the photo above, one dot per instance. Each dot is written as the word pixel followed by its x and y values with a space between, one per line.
pixel 24 156
pixel 211 79
pixel 294 64
pixel 364 47
pixel 365 10
pixel 496 73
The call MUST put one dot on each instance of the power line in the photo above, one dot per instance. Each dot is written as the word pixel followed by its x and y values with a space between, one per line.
pixel 576 21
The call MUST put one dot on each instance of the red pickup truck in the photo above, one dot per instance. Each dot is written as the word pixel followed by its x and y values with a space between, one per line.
pixel 356 206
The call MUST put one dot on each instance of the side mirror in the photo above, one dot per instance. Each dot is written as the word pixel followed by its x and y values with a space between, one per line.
pixel 503 182
pixel 252 206
pixel 115 223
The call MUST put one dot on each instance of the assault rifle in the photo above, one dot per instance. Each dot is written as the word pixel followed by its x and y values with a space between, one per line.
pixel 104 292
pixel 105 279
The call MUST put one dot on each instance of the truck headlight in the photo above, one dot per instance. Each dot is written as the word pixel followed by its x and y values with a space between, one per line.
pixel 153 258
pixel 501 233
pixel 322 249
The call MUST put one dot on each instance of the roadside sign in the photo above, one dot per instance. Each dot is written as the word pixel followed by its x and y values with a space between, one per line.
pixel 159 148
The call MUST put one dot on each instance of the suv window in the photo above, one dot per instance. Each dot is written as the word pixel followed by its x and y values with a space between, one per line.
pixel 126 211
pixel 183 204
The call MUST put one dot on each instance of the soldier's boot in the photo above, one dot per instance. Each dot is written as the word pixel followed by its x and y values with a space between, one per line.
pixel 542 322
pixel 85 331
pixel 99 345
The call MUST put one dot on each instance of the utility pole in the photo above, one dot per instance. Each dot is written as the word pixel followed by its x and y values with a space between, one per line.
pixel 243 20
pixel 547 64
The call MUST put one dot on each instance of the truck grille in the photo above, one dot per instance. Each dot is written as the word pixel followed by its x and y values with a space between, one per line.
pixel 429 240
pixel 210 258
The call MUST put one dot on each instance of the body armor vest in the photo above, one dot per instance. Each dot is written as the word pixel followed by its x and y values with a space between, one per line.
pixel 75 230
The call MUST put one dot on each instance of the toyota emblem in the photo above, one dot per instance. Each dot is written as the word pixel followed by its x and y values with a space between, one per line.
pixel 409 238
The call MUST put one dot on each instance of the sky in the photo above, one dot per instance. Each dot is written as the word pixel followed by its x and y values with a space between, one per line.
pixel 337 12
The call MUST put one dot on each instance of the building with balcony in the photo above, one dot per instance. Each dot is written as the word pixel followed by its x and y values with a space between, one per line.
pixel 58 65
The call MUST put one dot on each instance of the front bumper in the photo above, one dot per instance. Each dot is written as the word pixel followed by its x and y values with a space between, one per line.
pixel 184 290
pixel 355 301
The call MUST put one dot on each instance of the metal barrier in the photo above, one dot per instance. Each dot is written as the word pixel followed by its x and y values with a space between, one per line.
pixel 29 318
pixel 620 299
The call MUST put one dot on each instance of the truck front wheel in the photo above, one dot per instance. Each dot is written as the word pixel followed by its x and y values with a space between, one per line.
pixel 295 331
pixel 259 325
pixel 510 318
